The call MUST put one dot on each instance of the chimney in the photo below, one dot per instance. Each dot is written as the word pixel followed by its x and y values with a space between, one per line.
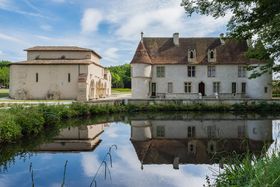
pixel 142 35
pixel 222 38
pixel 176 39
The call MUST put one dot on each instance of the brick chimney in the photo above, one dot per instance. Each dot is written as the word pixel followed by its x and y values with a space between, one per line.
pixel 176 39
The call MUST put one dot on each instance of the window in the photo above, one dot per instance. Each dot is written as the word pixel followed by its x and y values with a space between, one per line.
pixel 160 131
pixel 170 87
pixel 62 57
pixel 69 77
pixel 265 89
pixel 243 87
pixel 160 71
pixel 191 132
pixel 242 71
pixel 37 77
pixel 188 87
pixel 211 54
pixel 233 87
pixel 211 131
pixel 216 87
pixel 191 71
pixel 211 71
pixel 191 54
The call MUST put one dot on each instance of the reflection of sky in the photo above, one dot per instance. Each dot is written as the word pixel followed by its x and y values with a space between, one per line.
pixel 126 171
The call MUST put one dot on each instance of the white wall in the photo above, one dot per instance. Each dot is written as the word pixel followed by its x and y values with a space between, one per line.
pixel 52 78
pixel 31 55
pixel 178 75
pixel 141 77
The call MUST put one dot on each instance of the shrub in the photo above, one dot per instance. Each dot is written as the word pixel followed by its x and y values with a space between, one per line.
pixel 9 129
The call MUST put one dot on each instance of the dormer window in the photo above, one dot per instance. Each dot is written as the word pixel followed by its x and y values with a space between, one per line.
pixel 211 55
pixel 191 55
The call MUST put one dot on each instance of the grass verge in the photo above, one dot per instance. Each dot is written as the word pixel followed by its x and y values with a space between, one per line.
pixel 121 90
pixel 4 93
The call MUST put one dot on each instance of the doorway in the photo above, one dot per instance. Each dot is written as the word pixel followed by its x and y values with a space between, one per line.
pixel 154 90
pixel 201 88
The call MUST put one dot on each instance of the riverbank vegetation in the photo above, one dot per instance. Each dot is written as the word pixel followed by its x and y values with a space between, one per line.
pixel 249 170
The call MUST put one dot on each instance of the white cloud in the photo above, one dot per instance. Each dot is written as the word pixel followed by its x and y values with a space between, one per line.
pixel 10 38
pixel 111 54
pixel 90 20
pixel 90 164
pixel 46 27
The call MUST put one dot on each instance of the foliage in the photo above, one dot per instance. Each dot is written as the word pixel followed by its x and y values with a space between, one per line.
pixel 9 129
pixel 255 20
pixel 251 171
pixel 120 76
pixel 4 73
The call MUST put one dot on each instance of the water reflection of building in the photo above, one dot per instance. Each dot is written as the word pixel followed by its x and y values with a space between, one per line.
pixel 83 138
pixel 195 141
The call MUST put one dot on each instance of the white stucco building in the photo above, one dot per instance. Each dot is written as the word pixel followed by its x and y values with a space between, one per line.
pixel 192 68
pixel 59 72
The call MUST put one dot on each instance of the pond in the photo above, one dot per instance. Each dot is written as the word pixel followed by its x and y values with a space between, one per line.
pixel 144 150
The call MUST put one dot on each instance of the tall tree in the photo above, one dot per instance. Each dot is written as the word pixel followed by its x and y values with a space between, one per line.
pixel 4 73
pixel 256 20
pixel 120 76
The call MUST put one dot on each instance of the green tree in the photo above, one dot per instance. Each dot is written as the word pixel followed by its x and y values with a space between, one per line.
pixel 256 20
pixel 120 76
pixel 4 73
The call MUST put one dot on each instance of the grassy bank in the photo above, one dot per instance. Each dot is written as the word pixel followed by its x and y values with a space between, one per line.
pixel 4 93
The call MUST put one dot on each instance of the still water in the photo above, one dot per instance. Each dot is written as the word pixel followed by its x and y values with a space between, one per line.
pixel 144 150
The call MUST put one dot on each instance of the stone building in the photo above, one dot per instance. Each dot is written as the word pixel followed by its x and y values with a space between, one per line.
pixel 194 68
pixel 59 72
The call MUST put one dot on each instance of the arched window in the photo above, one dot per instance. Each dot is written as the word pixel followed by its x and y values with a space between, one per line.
pixel 191 54
pixel 212 54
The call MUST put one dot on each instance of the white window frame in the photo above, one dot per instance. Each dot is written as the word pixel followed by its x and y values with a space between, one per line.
pixel 191 71
pixel 160 71
pixel 188 87
pixel 216 87
pixel 242 71
pixel 211 71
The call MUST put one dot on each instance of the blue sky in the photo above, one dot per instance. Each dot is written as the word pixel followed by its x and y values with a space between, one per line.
pixel 110 27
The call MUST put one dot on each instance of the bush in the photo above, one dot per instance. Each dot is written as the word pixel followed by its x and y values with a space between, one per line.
pixel 31 121
pixel 9 129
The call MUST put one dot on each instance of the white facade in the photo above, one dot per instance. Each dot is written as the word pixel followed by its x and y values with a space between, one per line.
pixel 195 68
pixel 59 75
pixel 177 75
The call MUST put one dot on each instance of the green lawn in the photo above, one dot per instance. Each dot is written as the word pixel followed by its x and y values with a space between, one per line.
pixel 4 93
pixel 121 90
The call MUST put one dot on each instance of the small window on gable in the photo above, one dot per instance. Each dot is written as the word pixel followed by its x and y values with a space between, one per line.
pixel 211 55
pixel 191 54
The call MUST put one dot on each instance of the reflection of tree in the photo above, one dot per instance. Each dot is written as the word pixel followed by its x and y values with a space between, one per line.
pixel 104 162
